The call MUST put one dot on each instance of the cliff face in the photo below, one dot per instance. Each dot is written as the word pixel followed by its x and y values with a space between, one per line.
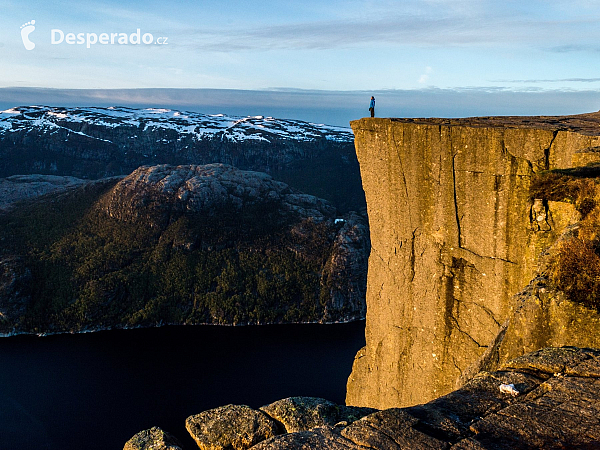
pixel 454 237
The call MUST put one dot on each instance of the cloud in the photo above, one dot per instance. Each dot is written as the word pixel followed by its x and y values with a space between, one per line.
pixel 575 48
pixel 425 77
pixel 331 107
pixel 549 80
pixel 433 23
pixel 343 34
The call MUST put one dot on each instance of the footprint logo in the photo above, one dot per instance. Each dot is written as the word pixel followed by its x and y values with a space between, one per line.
pixel 26 30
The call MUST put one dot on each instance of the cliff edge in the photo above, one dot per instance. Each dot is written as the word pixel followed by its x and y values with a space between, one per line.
pixel 456 234
pixel 547 399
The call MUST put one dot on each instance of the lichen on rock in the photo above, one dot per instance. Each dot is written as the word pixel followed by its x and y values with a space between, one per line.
pixel 153 439
pixel 235 427
pixel 304 413
pixel 552 411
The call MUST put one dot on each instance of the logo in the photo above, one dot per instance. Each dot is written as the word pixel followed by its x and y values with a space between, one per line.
pixel 58 36
pixel 26 30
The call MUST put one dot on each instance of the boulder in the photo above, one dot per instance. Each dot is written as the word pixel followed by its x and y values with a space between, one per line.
pixel 318 438
pixel 304 413
pixel 231 427
pixel 393 428
pixel 152 439
pixel 547 399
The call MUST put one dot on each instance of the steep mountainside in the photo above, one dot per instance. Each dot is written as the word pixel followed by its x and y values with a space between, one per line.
pixel 457 230
pixel 179 244
pixel 102 142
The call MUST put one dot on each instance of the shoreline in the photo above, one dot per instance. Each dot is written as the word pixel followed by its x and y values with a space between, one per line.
pixel 163 325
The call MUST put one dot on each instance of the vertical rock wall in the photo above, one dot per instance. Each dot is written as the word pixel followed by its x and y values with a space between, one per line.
pixel 454 236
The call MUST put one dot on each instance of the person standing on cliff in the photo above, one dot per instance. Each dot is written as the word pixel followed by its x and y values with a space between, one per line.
pixel 372 106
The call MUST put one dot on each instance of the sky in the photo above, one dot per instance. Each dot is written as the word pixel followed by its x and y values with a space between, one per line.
pixel 308 59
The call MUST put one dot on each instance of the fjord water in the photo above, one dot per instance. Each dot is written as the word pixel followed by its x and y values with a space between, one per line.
pixel 96 390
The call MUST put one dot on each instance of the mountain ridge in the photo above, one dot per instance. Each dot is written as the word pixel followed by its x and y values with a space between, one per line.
pixel 93 143
pixel 216 126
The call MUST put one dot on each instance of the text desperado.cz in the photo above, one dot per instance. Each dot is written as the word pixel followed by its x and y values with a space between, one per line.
pixel 89 39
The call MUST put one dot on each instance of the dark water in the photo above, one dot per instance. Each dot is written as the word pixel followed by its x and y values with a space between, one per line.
pixel 95 391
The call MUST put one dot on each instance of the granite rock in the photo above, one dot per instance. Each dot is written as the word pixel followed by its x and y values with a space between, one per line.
pixel 553 403
pixel 455 235
pixel 153 439
pixel 235 427
pixel 163 193
pixel 304 413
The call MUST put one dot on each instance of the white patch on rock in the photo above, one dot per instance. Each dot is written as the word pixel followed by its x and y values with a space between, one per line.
pixel 509 389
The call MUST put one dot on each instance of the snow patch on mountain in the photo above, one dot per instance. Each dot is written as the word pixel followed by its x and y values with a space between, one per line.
pixel 199 126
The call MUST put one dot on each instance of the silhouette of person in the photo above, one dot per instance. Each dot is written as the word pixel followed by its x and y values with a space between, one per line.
pixel 372 106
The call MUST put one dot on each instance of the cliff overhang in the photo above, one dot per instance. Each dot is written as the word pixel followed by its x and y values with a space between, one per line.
pixel 455 236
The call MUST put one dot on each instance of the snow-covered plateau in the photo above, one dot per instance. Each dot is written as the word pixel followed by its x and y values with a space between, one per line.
pixel 200 126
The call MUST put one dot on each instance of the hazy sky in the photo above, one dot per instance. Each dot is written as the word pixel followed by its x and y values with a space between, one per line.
pixel 550 48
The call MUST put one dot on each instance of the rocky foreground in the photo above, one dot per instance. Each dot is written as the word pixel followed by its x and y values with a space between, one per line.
pixel 547 399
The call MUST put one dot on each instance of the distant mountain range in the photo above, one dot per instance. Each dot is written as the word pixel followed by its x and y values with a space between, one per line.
pixel 94 143
pixel 89 122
